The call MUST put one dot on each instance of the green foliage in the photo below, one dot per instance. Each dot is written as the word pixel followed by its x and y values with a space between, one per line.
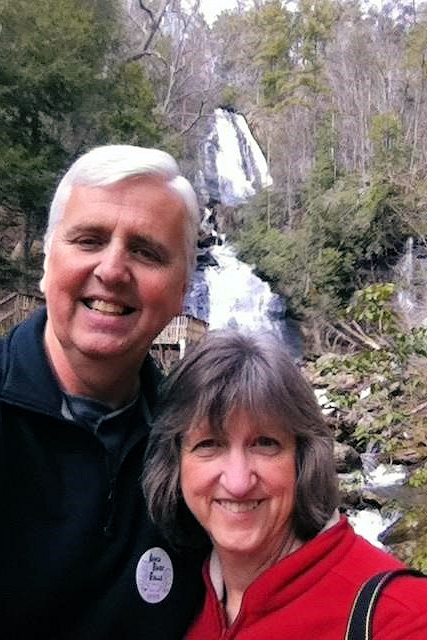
pixel 324 172
pixel 278 258
pixel 276 50
pixel 315 22
pixel 419 560
pixel 62 89
pixel 129 100
pixel 390 150
pixel 49 58
pixel 25 178
pixel 236 39
pixel 229 97
pixel 387 380
pixel 415 49
pixel 362 436
pixel 347 233
pixel 419 477
pixel 382 205
pixel 372 308
pixel 273 50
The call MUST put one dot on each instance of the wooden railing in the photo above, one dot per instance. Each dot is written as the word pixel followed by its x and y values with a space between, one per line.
pixel 182 328
pixel 171 344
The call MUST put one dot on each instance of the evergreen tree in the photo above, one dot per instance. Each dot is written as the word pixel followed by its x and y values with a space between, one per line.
pixel 61 88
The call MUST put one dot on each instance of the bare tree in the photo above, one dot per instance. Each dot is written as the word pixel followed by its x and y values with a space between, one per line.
pixel 170 38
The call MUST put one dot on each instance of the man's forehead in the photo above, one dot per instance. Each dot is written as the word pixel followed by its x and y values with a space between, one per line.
pixel 146 195
pixel 146 181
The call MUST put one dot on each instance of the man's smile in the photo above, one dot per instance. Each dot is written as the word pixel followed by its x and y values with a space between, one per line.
pixel 109 308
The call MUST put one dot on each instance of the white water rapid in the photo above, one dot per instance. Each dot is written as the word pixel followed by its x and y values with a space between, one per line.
pixel 237 297
pixel 371 523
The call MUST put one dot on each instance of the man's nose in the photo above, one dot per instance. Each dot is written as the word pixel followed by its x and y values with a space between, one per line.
pixel 112 267
pixel 238 475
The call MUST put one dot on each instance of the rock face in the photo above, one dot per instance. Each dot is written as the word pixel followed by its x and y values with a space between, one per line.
pixel 346 458
pixel 407 538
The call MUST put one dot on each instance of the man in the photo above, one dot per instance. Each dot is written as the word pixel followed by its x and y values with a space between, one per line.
pixel 79 556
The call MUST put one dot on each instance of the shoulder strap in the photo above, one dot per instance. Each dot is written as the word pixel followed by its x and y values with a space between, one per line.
pixel 359 626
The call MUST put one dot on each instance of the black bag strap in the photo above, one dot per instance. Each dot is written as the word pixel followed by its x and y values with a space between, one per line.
pixel 359 626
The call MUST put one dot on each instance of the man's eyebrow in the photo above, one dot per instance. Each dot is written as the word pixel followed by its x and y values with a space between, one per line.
pixel 84 228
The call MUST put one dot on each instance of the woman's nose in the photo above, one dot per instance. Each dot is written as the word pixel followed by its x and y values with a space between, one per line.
pixel 238 475
pixel 112 267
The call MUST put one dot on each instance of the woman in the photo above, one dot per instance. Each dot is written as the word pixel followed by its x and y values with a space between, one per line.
pixel 240 447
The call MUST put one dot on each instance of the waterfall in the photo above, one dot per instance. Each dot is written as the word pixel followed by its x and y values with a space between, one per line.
pixel 225 291
pixel 234 167
pixel 411 277
pixel 248 303
pixel 405 271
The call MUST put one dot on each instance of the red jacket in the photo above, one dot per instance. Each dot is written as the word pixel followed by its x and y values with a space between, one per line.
pixel 309 594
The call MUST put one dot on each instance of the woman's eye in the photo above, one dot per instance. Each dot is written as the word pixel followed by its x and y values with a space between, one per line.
pixel 206 446
pixel 268 444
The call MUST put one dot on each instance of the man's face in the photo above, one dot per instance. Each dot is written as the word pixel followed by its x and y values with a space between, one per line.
pixel 116 271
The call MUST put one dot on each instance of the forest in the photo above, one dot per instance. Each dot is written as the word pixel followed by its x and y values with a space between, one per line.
pixel 334 91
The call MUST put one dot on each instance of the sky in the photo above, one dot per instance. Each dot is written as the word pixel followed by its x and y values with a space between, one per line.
pixel 211 8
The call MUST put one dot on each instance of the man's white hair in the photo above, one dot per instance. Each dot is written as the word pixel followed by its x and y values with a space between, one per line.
pixel 109 164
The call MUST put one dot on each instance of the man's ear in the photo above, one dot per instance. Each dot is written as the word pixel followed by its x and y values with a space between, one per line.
pixel 42 281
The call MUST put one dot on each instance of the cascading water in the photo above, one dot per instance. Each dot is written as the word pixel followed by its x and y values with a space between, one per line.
pixel 234 166
pixel 225 291
pixel 411 276
pixel 370 522
pixel 248 303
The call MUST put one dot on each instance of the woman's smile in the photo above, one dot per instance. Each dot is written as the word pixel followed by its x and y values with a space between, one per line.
pixel 239 506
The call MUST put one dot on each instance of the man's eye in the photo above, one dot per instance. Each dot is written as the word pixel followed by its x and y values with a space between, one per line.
pixel 88 242
pixel 148 254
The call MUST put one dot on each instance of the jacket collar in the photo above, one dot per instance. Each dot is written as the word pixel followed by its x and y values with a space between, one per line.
pixel 28 379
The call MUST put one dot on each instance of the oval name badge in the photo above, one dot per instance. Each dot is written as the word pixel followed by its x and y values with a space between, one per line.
pixel 154 575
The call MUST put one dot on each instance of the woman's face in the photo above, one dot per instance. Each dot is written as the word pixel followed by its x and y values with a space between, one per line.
pixel 241 485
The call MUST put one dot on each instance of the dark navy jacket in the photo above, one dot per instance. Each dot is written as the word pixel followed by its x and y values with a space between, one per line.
pixel 73 526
